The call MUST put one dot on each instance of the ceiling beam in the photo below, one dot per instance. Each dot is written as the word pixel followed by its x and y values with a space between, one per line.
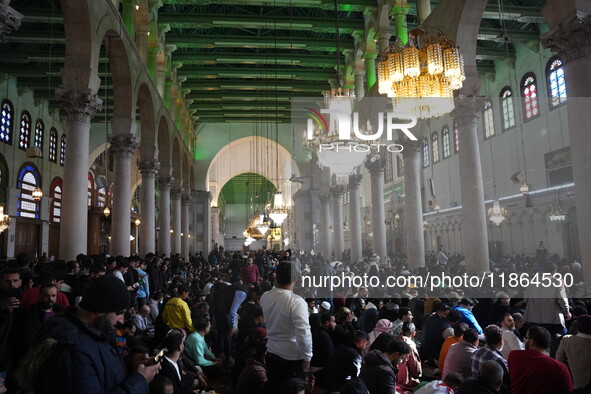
pixel 249 73
pixel 254 85
pixel 290 59
pixel 180 20
pixel 349 5
pixel 268 42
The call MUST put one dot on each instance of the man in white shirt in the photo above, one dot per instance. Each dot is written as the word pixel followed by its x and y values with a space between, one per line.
pixel 510 340
pixel 290 339
pixel 441 256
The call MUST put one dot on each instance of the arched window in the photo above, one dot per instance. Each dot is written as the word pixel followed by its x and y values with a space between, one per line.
pixel 90 189
pixel 55 211
pixel 39 129
pixel 435 147
pixel 426 153
pixel 489 121
pixel 63 150
pixel 6 122
pixel 445 140
pixel 3 180
pixel 28 180
pixel 25 131
pixel 556 83
pixel 101 192
pixel 53 145
pixel 507 108
pixel 529 94
pixel 456 138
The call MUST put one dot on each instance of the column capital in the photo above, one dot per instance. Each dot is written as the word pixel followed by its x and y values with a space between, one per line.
pixel 185 199
pixel 324 198
pixel 165 181
pixel 337 191
pixel 10 19
pixel 569 39
pixel 410 148
pixel 123 145
pixel 148 167
pixel 375 163
pixel 176 193
pixel 467 110
pixel 80 106
pixel 355 180
pixel 201 195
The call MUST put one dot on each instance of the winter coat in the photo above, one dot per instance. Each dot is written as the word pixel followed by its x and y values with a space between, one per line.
pixel 81 361
pixel 378 373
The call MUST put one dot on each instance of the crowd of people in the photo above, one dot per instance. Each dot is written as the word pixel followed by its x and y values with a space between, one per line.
pixel 241 323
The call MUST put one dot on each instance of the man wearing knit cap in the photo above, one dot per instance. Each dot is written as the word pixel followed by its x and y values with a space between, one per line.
pixel 72 353
pixel 575 352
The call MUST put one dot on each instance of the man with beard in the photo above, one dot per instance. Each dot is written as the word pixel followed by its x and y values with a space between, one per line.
pixel 39 312
pixel 73 353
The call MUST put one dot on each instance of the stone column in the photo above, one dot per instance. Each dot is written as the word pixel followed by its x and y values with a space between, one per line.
pixel 337 220
pixel 175 204
pixel 569 36
pixel 80 108
pixel 202 230
pixel 128 15
pixel 375 164
pixel 423 9
pixel 325 226
pixel 148 169
pixel 399 12
pixel 10 19
pixel 141 40
pixel 122 146
pixel 160 78
pixel 355 217
pixel 216 237
pixel 152 60
pixel 185 202
pixel 370 68
pixel 164 184
pixel 413 204
pixel 474 236
pixel 359 84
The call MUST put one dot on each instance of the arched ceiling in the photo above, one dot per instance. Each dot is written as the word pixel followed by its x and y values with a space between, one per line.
pixel 243 60
pixel 248 188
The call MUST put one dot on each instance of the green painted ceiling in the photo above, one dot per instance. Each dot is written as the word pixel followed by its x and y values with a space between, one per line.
pixel 242 60
pixel 247 188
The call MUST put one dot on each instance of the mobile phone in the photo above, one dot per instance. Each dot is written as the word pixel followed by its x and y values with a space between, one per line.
pixel 160 355
pixel 16 293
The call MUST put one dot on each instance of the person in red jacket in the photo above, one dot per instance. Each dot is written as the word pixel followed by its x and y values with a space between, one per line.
pixel 533 372
pixel 47 276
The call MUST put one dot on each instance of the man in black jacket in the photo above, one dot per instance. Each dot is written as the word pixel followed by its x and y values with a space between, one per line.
pixel 345 363
pixel 39 312
pixel 171 367
pixel 322 346
pixel 380 369
pixel 73 354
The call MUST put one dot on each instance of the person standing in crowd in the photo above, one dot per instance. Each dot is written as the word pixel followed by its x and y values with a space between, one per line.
pixel 250 272
pixel 40 312
pixel 441 256
pixel 176 313
pixel 323 347
pixel 10 316
pixel 290 339
pixel 533 372
pixel 575 352
pixel 143 284
pixel 82 359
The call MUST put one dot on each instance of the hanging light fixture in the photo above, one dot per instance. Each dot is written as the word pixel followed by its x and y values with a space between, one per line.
pixel 557 214
pixel 4 219
pixel 496 214
pixel 37 194
pixel 279 212
pixel 421 79
pixel 106 211
pixel 524 189
pixel 425 224
pixel 137 222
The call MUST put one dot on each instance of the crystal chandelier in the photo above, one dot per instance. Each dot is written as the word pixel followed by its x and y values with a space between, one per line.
pixel 279 212
pixel 106 212
pixel 524 189
pixel 4 219
pixel 338 96
pixel 37 194
pixel 421 79
pixel 557 214
pixel 263 227
pixel 496 214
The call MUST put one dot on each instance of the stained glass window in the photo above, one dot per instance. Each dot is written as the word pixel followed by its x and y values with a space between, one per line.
pixel 445 140
pixel 55 210
pixel 53 145
pixel 6 122
pixel 25 131
pixel 63 151
pixel 435 147
pixel 90 189
pixel 39 129
pixel 529 93
pixel 426 153
pixel 489 121
pixel 507 108
pixel 28 180
pixel 456 138
pixel 101 193
pixel 556 83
